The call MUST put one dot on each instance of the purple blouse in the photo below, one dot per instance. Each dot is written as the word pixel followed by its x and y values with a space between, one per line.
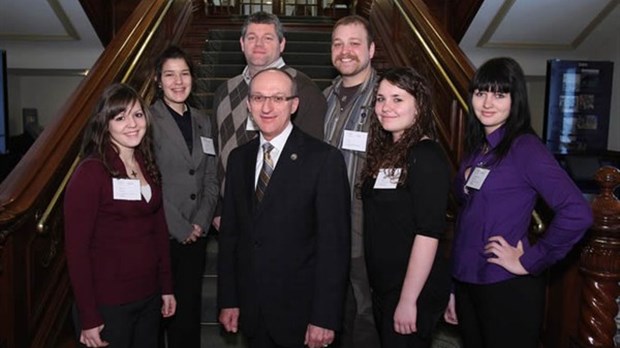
pixel 503 206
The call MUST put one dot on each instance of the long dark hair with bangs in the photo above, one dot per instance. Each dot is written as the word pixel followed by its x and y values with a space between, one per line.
pixel 115 99
pixel 499 75
pixel 382 151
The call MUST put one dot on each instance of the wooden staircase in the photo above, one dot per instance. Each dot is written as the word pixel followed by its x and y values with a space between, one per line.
pixel 35 294
pixel 222 59
pixel 219 60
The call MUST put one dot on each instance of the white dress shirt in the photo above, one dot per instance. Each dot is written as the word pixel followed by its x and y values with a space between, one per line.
pixel 278 143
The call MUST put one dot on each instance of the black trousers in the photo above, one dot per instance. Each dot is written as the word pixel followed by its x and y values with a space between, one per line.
pixel 384 307
pixel 188 265
pixel 131 325
pixel 508 314
pixel 359 330
pixel 263 339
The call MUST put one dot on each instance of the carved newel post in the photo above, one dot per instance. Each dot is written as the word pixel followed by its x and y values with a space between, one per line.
pixel 600 266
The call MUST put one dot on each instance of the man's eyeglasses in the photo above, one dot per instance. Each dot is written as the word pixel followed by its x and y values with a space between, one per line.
pixel 276 99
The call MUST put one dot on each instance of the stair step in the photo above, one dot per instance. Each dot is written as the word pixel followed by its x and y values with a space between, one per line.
pixel 318 72
pixel 219 71
pixel 310 36
pixel 211 84
pixel 213 336
pixel 209 300
pixel 292 58
pixel 211 261
pixel 226 71
pixel 203 101
pixel 291 46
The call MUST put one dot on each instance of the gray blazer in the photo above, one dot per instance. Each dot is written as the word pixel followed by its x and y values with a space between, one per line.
pixel 189 181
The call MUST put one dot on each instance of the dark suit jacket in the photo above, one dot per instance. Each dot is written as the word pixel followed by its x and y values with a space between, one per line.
pixel 189 181
pixel 284 262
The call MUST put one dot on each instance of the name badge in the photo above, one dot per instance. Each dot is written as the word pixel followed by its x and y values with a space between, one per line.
pixel 207 146
pixel 126 189
pixel 250 125
pixel 477 178
pixel 385 181
pixel 354 140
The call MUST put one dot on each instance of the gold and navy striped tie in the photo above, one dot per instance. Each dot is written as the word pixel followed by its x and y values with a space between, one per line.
pixel 265 172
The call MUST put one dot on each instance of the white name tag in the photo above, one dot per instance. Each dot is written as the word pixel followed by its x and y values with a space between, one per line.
pixel 250 125
pixel 385 181
pixel 207 146
pixel 477 178
pixel 126 189
pixel 354 140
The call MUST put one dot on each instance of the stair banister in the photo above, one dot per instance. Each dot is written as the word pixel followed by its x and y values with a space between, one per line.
pixel 34 282
pixel 599 265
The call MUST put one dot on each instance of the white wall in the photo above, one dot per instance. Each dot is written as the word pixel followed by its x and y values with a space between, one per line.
pixel 602 44
pixel 536 96
pixel 610 50
pixel 43 60
pixel 14 94
pixel 47 94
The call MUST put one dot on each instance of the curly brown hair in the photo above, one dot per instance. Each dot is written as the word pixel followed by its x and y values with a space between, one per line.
pixel 115 99
pixel 382 151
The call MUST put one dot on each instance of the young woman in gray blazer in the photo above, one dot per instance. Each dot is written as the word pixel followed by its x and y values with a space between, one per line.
pixel 186 158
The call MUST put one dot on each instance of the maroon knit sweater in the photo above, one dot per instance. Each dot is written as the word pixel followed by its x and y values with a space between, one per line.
pixel 117 251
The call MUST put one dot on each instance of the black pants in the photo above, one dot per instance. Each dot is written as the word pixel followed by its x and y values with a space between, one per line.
pixel 262 339
pixel 187 262
pixel 359 330
pixel 501 315
pixel 131 325
pixel 384 307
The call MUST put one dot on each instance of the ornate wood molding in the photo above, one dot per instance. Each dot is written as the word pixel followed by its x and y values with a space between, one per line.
pixel 600 267
pixel 416 39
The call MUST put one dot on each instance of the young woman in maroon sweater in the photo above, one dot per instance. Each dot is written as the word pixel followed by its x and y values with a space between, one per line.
pixel 116 235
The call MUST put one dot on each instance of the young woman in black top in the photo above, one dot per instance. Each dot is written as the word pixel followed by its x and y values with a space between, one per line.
pixel 405 188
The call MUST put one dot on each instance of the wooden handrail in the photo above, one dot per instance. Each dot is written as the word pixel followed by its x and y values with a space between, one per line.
pixel 416 39
pixel 55 198
pixel 599 266
pixel 410 28
pixel 41 224
pixel 34 281
pixel 37 168
pixel 433 57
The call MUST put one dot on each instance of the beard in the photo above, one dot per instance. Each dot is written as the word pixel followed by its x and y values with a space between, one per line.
pixel 351 68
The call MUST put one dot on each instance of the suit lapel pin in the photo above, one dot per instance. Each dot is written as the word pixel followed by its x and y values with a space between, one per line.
pixel 294 156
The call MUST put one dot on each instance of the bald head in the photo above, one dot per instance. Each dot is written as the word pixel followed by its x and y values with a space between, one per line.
pixel 276 71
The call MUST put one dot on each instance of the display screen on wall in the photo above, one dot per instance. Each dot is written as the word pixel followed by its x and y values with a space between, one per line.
pixel 577 106
pixel 4 107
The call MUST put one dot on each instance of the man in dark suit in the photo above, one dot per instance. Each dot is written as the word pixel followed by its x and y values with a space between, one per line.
pixel 285 238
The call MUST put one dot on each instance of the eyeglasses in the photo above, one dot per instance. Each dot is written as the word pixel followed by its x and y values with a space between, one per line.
pixel 276 99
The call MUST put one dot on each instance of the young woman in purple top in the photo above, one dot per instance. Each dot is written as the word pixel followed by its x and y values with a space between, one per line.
pixel 115 229
pixel 499 290
pixel 405 191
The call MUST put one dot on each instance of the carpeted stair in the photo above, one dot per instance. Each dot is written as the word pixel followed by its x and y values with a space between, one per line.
pixel 221 59
pixel 307 51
